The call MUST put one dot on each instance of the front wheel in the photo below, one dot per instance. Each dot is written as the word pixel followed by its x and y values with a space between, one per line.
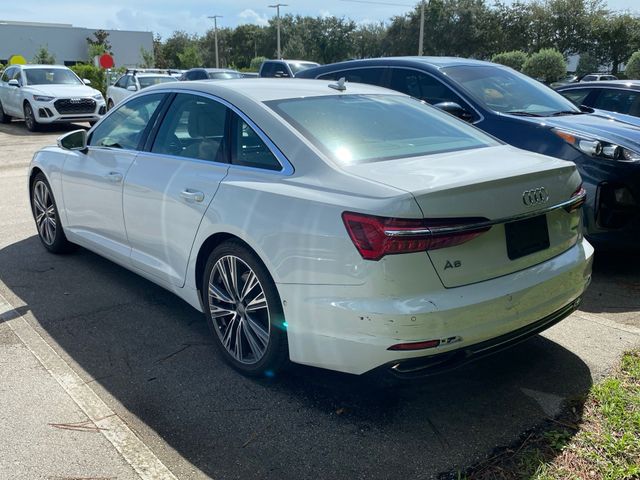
pixel 244 311
pixel 30 118
pixel 45 213
pixel 4 118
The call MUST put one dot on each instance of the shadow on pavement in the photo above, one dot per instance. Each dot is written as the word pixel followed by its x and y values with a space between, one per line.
pixel 616 286
pixel 18 128
pixel 154 354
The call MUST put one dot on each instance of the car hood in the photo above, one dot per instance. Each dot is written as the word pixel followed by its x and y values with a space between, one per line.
pixel 594 125
pixel 65 91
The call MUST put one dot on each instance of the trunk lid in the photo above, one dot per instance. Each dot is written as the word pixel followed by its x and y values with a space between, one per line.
pixel 489 183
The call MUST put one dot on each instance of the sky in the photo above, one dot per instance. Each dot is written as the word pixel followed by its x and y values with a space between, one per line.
pixel 166 16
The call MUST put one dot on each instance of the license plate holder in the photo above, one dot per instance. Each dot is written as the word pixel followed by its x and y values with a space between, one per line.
pixel 528 236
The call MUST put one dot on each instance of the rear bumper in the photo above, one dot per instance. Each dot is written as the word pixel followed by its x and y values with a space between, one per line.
pixel 350 328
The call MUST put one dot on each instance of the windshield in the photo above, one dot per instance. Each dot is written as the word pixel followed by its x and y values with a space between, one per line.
pixel 148 81
pixel 223 75
pixel 354 129
pixel 507 91
pixel 51 76
pixel 299 66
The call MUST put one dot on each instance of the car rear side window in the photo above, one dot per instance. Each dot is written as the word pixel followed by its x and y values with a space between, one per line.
pixel 354 128
pixel 621 101
pixel 194 127
pixel 371 76
pixel 125 127
pixel 248 148
pixel 577 95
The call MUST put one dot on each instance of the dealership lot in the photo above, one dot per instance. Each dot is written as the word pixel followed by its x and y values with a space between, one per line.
pixel 149 357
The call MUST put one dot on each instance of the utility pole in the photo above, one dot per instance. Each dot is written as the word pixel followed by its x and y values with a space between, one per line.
pixel 215 35
pixel 421 40
pixel 277 7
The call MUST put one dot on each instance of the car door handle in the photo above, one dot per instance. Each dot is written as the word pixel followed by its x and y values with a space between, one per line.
pixel 192 195
pixel 114 177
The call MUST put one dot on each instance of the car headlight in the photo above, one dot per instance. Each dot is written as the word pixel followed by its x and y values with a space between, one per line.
pixel 98 96
pixel 42 98
pixel 597 148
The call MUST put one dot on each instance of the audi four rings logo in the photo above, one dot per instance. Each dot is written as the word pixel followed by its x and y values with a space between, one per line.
pixel 536 196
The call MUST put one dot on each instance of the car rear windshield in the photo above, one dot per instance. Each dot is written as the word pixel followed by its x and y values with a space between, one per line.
pixel 148 81
pixel 300 66
pixel 507 91
pixel 224 75
pixel 51 76
pixel 354 129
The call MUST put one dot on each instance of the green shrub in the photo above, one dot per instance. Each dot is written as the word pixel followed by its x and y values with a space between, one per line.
pixel 514 59
pixel 90 72
pixel 254 66
pixel 587 64
pixel 547 65
pixel 632 70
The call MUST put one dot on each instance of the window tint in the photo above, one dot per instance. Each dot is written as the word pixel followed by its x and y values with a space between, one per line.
pixel 422 86
pixel 267 69
pixel 148 81
pixel 577 96
pixel 589 78
pixel 355 129
pixel 223 75
pixel 620 101
pixel 7 75
pixel 248 148
pixel 300 66
pixel 125 126
pixel 196 75
pixel 372 76
pixel 195 128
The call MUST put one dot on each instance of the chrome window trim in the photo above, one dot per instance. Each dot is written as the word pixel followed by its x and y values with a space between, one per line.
pixel 287 167
pixel 486 224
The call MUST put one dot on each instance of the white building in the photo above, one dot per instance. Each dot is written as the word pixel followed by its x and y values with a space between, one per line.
pixel 68 44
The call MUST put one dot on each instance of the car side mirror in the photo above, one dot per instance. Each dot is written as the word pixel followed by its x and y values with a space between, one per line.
pixel 13 83
pixel 86 81
pixel 76 140
pixel 132 88
pixel 455 109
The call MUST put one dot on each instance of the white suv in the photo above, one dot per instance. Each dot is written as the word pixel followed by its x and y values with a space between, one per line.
pixel 135 80
pixel 42 94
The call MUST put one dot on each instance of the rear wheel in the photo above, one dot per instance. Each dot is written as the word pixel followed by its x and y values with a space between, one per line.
pixel 30 118
pixel 244 311
pixel 46 215
pixel 4 118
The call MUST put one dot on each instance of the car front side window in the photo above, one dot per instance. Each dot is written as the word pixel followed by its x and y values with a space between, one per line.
pixel 577 95
pixel 194 127
pixel 124 128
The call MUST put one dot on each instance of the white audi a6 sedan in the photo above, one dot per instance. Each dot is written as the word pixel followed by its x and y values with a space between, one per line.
pixel 343 226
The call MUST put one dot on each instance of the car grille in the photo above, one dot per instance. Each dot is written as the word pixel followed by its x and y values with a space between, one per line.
pixel 75 105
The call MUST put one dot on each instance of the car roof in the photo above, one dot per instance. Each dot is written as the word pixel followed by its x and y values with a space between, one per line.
pixel 33 65
pixel 265 89
pixel 630 84
pixel 150 74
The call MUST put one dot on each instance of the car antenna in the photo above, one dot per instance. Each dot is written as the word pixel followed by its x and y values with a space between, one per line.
pixel 339 85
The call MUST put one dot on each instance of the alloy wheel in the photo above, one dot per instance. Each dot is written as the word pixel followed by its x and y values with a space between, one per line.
pixel 28 117
pixel 239 309
pixel 45 212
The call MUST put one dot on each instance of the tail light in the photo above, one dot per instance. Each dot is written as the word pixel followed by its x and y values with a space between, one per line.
pixel 579 197
pixel 375 237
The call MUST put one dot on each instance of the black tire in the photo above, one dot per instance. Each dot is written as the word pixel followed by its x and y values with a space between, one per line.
pixel 30 118
pixel 51 236
pixel 109 104
pixel 245 313
pixel 4 118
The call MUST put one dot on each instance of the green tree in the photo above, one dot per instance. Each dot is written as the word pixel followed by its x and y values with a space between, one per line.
pixel 368 40
pixel 616 34
pixel 147 58
pixel 587 64
pixel 632 69
pixel 254 66
pixel 547 65
pixel 176 44
pixel 93 73
pixel 190 57
pixel 158 52
pixel 99 44
pixel 514 59
pixel 44 57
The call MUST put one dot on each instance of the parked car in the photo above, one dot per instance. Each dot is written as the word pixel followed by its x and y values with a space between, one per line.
pixel 249 75
pixel 566 81
pixel 134 80
pixel 598 77
pixel 210 74
pixel 529 115
pixel 346 227
pixel 284 68
pixel 44 94
pixel 621 96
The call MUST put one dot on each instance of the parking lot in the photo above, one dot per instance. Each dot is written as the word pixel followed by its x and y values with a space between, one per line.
pixel 149 358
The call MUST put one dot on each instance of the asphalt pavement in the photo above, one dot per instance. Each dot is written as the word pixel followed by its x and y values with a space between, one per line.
pixel 104 375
